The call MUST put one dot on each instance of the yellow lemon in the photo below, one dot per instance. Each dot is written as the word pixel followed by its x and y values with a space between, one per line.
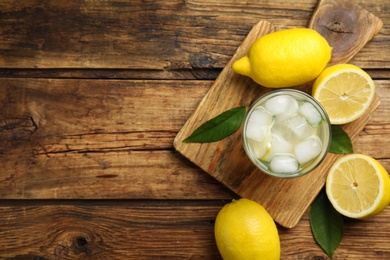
pixel 244 230
pixel 345 91
pixel 358 186
pixel 285 58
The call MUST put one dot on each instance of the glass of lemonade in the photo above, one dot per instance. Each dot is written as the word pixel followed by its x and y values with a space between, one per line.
pixel 286 133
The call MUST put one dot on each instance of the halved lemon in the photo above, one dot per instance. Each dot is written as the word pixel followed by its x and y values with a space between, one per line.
pixel 358 186
pixel 345 91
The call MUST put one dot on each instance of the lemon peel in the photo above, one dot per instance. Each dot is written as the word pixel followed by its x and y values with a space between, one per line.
pixel 244 230
pixel 285 58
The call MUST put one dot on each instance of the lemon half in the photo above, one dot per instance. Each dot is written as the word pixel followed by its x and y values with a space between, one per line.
pixel 345 91
pixel 358 186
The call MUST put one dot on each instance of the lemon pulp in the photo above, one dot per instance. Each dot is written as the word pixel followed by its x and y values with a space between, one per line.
pixel 358 186
pixel 345 91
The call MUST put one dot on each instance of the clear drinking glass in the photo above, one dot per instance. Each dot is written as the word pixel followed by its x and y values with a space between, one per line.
pixel 286 133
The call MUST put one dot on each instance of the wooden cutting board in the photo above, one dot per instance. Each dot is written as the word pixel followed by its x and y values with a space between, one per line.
pixel 285 199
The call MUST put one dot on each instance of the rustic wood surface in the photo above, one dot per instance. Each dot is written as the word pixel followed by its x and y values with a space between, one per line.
pixel 92 96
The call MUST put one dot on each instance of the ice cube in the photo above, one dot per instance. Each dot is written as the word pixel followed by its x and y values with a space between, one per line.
pixel 278 146
pixel 259 124
pixel 310 113
pixel 308 149
pixel 284 164
pixel 282 104
pixel 294 129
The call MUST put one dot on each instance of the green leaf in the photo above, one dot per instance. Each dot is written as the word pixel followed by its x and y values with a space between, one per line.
pixel 326 224
pixel 341 143
pixel 219 127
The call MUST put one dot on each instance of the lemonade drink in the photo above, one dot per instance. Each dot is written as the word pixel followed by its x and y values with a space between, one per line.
pixel 286 133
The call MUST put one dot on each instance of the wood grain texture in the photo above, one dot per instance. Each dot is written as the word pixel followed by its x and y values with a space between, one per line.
pixel 169 230
pixel 346 26
pixel 62 131
pixel 110 144
pixel 94 106
pixel 160 35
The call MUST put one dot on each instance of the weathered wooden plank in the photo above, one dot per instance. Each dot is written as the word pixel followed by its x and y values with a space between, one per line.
pixel 106 175
pixel 71 107
pixel 160 35
pixel 61 131
pixel 111 138
pixel 171 230
pixel 201 74
pixel 71 232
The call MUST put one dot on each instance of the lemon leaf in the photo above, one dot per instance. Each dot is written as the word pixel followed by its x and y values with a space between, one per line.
pixel 341 143
pixel 326 224
pixel 218 127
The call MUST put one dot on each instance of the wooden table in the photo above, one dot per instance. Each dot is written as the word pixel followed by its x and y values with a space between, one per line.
pixel 92 96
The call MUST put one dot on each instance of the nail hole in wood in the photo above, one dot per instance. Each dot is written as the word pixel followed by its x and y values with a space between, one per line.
pixel 81 243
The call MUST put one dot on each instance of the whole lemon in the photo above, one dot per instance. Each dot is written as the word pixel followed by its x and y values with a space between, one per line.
pixel 244 230
pixel 285 58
